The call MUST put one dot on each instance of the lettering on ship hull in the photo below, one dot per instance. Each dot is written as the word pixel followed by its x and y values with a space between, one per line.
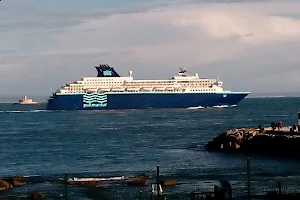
pixel 93 100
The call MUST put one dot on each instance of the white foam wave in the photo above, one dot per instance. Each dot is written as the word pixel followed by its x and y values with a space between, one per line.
pixel 28 176
pixel 217 106
pixel 221 106
pixel 258 97
pixel 195 108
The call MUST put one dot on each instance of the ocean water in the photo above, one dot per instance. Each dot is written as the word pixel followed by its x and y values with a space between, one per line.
pixel 46 144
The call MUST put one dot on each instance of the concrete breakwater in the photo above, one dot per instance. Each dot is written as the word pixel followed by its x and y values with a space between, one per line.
pixel 284 141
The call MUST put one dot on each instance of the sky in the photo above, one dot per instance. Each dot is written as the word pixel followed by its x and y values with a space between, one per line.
pixel 250 45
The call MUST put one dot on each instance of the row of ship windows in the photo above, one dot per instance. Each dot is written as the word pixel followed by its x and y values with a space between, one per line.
pixel 89 83
pixel 79 86
pixel 97 80
pixel 145 91
pixel 206 91
pixel 194 90
pixel 212 90
pixel 112 81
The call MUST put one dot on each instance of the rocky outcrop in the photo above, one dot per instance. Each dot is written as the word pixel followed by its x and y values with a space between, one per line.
pixel 138 180
pixel 168 182
pixel 36 196
pixel 17 181
pixel 256 141
pixel 5 185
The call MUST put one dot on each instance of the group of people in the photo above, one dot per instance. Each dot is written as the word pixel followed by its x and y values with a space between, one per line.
pixel 295 128
pixel 278 125
pixel 275 125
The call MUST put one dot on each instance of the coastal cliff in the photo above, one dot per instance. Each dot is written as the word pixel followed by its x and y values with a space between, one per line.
pixel 284 141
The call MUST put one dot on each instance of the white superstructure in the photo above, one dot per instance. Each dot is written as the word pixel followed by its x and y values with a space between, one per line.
pixel 27 101
pixel 182 82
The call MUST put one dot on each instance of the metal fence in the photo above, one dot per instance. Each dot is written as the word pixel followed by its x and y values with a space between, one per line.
pixel 177 184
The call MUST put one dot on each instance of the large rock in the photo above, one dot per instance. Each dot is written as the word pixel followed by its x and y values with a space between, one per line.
pixel 36 196
pixel 254 141
pixel 5 185
pixel 17 180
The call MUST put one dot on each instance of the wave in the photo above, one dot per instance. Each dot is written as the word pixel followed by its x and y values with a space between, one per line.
pixel 224 106
pixel 257 97
pixel 221 106
pixel 195 108
pixel 217 106
pixel 28 176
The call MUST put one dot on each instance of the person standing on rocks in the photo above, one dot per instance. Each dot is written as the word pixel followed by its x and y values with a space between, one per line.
pixel 260 128
pixel 273 125
pixel 280 125
pixel 294 128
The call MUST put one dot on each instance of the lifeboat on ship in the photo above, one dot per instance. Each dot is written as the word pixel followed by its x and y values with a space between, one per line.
pixel 160 88
pixel 132 89
pixel 117 89
pixel 177 86
pixel 91 89
pixel 147 88
pixel 104 89
pixel 169 88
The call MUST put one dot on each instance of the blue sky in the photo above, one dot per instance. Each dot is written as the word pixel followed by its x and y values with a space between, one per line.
pixel 250 45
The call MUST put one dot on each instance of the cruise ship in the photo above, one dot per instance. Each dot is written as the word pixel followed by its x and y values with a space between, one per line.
pixel 111 91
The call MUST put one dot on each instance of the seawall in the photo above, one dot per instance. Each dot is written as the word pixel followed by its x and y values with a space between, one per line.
pixel 251 140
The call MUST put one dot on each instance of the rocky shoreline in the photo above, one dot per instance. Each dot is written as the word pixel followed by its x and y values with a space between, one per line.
pixel 251 140
pixel 16 181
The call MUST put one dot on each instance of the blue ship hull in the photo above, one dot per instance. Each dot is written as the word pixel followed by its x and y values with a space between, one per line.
pixel 123 100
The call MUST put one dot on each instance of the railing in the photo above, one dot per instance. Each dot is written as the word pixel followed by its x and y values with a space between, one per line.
pixel 176 184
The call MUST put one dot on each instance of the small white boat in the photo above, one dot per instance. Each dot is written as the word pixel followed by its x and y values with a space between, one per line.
pixel 27 101
pixel 119 178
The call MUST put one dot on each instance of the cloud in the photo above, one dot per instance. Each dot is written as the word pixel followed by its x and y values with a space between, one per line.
pixel 247 43
pixel 214 26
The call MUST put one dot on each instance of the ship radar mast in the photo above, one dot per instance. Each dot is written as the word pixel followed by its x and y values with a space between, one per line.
pixel 183 72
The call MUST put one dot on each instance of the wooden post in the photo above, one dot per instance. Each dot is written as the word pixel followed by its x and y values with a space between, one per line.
pixel 157 179
pixel 66 186
pixel 248 179
pixel 279 187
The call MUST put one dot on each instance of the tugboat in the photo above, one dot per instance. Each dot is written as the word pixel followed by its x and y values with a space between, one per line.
pixel 26 101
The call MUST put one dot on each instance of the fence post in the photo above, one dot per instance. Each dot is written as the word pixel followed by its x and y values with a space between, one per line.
pixel 279 187
pixel 248 179
pixel 66 187
pixel 192 196
pixel 157 179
